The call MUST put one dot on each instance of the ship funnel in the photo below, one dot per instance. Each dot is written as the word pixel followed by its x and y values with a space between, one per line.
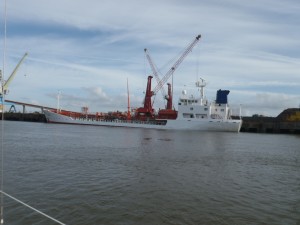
pixel 222 96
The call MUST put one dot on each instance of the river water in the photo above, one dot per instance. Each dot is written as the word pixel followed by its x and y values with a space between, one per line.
pixel 102 175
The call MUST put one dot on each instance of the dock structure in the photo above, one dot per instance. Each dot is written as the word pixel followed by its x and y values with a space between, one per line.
pixel 287 122
pixel 24 105
pixel 28 117
pixel 24 116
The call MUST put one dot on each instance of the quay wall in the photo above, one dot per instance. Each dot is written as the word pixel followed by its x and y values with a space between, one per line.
pixel 287 122
pixel 270 125
pixel 29 117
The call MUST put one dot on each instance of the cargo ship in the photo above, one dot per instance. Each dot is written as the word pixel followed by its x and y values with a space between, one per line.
pixel 194 113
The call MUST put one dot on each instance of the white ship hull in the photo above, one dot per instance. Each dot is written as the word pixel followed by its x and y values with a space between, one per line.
pixel 196 124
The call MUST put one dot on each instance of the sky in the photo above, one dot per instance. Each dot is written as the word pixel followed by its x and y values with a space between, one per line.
pixel 87 50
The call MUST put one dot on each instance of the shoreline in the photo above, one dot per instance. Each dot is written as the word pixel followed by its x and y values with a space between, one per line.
pixel 254 124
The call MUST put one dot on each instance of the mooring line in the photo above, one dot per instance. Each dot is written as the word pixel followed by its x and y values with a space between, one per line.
pixel 2 76
pixel 36 210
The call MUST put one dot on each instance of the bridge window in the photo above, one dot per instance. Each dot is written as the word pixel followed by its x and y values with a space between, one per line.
pixel 188 115
pixel 201 116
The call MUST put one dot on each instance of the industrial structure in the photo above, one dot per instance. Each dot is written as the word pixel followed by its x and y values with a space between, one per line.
pixel 5 84
pixel 287 122
pixel 147 112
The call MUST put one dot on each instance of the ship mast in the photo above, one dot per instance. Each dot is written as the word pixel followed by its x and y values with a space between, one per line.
pixel 201 84
pixel 128 103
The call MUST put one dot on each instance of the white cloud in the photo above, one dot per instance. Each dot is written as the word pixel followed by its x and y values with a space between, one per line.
pixel 263 103
pixel 245 46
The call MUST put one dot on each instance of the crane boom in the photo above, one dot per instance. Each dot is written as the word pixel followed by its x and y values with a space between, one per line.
pixel 147 111
pixel 176 64
pixel 154 71
pixel 11 77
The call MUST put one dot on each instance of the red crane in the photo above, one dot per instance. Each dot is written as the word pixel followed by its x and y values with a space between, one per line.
pixel 147 110
pixel 168 96
pixel 154 71
pixel 176 64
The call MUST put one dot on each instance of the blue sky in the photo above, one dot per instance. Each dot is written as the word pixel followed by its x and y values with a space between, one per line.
pixel 88 49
